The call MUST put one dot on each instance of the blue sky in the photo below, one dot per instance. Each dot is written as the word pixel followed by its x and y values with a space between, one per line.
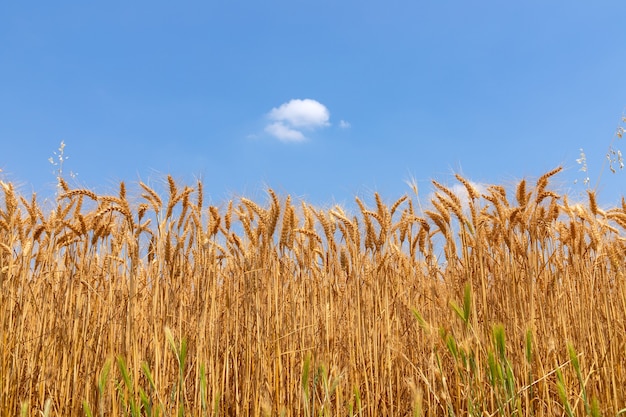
pixel 323 100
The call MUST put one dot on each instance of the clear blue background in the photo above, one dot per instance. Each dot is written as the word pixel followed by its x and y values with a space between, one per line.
pixel 496 91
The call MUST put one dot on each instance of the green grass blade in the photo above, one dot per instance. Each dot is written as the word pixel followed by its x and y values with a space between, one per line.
pixel 87 409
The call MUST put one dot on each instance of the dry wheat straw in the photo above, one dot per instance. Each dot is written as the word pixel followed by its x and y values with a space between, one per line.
pixel 79 288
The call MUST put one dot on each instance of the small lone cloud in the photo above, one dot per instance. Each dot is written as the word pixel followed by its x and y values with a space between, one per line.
pixel 283 132
pixel 294 116
pixel 344 125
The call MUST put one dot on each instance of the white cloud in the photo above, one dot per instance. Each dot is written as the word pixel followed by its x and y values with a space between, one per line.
pixel 291 118
pixel 282 132
pixel 305 113
pixel 344 125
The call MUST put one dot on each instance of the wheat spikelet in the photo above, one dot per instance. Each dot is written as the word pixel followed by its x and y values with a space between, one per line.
pixel 327 225
pixel 286 226
pixel 450 206
pixel 294 221
pixel 275 200
pixel 256 209
pixel 360 204
pixel 606 228
pixel 344 261
pixel 63 184
pixel 593 205
pixel 472 192
pixel 141 210
pixel 62 212
pixel 214 222
pixel 542 182
pixel 553 210
pixel 183 198
pixel 66 240
pixel 31 209
pixel 172 187
pixel 370 236
pixel 228 216
pixel 152 197
pixel 338 213
pixel 496 198
pixel 618 217
pixel 563 232
pixel 596 239
pixel 108 199
pixel 616 259
pixel 173 197
pixel 403 226
pixel 499 193
pixel 79 206
pixel 353 241
pixel 273 215
pixel 383 214
pixel 199 196
pixel 77 231
pixel 237 241
pixel 110 209
pixel 520 194
pixel 144 228
pixel 344 232
pixel 573 234
pixel 309 233
pixel 423 222
pixel 454 200
pixel 395 205
pixel 83 224
pixel 545 194
pixel 6 248
pixel 439 220
pixel 122 192
pixel 18 226
pixel 245 223
pixel 349 228
pixel 10 202
pixel 102 229
pixel 309 220
pixel 437 202
pixel 376 216
pixel 37 231
pixel 420 241
pixel 514 217
pixel 167 249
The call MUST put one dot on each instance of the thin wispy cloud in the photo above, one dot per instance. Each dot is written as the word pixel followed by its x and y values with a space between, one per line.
pixel 292 118
pixel 344 125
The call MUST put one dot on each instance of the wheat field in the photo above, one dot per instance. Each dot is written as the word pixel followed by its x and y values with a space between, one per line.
pixel 494 303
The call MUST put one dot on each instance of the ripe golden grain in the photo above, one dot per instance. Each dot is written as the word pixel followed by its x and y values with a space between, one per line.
pixel 520 194
pixel 80 289
pixel 593 205
pixel 395 205
pixel 152 197
pixel 453 201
